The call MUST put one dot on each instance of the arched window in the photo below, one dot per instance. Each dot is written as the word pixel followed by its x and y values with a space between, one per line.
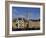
pixel 27 25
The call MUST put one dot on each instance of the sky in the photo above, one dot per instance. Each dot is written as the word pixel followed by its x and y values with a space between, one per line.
pixel 27 12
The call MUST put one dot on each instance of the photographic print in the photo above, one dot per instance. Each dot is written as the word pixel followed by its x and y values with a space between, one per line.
pixel 25 18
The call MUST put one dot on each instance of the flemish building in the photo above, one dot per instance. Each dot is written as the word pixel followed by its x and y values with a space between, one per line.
pixel 20 23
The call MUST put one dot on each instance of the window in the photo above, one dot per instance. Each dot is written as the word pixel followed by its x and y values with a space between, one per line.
pixel 16 25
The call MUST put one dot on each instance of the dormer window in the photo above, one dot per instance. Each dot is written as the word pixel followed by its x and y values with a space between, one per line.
pixel 19 18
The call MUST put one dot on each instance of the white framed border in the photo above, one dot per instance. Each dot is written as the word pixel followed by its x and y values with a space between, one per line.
pixel 25 32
